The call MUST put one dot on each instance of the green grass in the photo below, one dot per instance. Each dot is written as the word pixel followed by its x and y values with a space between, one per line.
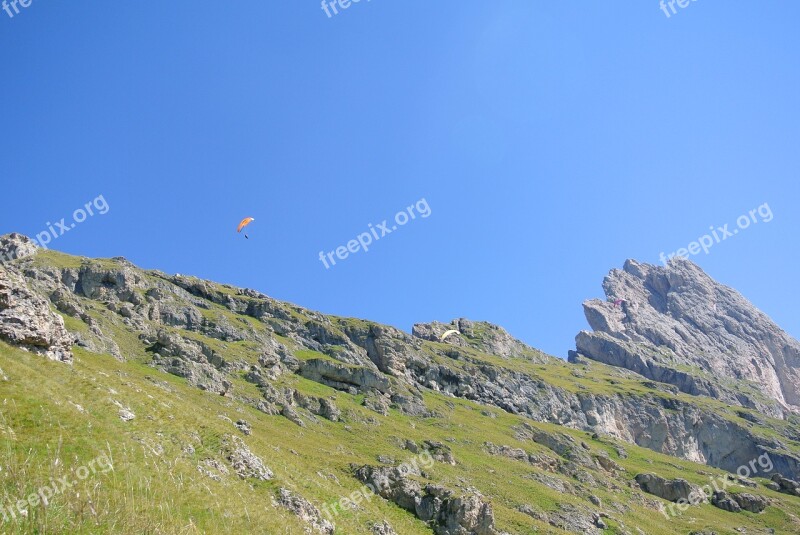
pixel 156 488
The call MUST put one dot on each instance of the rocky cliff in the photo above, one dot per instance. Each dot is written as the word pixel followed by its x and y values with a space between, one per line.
pixel 676 325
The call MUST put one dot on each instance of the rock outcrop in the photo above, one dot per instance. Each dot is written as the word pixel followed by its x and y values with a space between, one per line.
pixel 672 490
pixel 675 324
pixel 446 513
pixel 785 485
pixel 14 246
pixel 27 321
pixel 305 511
pixel 243 461
pixel 480 335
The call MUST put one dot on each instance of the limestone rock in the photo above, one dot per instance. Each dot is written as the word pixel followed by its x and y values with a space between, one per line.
pixel 383 528
pixel 447 514
pixel 786 485
pixel 27 321
pixel 725 501
pixel 669 489
pixel 245 463
pixel 305 511
pixel 675 317
pixel 14 246
pixel 751 502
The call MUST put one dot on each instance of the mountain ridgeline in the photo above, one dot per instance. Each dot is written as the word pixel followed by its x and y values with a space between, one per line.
pixel 286 417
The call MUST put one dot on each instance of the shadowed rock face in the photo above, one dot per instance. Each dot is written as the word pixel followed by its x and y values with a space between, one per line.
pixel 677 325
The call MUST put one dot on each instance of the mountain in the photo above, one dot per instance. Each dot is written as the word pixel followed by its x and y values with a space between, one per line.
pixel 215 409
pixel 676 325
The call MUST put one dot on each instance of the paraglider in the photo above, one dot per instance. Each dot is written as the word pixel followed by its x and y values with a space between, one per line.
pixel 446 334
pixel 246 221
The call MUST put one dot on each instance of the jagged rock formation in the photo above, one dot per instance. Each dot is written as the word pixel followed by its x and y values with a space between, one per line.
pixel 27 321
pixel 14 246
pixel 446 513
pixel 200 365
pixel 675 324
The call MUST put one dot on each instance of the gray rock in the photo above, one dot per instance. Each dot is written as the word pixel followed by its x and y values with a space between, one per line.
pixel 439 452
pixel 677 316
pixel 200 365
pixel 725 501
pixel 244 427
pixel 751 502
pixel 15 246
pixel 377 402
pixel 575 520
pixel 786 485
pixel 383 528
pixel 28 322
pixel 305 511
pixel 533 513
pixel 343 376
pixel 244 462
pixel 671 490
pixel 447 514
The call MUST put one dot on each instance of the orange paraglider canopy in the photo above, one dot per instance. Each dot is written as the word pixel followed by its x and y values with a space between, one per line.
pixel 246 221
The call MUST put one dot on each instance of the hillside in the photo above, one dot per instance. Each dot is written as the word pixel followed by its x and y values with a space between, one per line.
pixel 190 406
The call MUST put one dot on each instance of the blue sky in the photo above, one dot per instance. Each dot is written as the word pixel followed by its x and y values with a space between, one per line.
pixel 550 141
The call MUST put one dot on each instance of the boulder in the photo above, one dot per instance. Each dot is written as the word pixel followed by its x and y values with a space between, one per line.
pixel 671 490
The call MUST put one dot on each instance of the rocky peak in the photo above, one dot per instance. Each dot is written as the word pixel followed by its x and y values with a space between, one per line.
pixel 14 246
pixel 483 336
pixel 676 324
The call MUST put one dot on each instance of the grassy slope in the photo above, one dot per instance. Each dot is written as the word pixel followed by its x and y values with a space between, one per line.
pixel 155 491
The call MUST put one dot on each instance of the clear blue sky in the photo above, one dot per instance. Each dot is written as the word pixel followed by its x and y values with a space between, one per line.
pixel 551 141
